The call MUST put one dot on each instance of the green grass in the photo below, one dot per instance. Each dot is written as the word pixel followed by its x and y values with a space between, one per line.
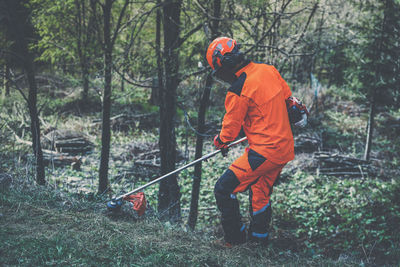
pixel 40 226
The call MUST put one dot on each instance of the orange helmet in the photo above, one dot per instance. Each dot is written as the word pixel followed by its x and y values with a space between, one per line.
pixel 222 51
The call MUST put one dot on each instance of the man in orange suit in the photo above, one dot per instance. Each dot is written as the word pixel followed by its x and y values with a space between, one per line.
pixel 258 101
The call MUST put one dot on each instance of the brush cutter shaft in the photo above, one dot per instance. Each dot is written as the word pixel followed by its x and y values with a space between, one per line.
pixel 178 170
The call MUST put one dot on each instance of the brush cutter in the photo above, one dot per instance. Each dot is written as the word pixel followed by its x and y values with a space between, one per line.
pixel 139 201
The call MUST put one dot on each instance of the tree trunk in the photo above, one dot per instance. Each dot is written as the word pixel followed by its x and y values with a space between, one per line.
pixel 169 192
pixel 370 127
pixel 158 83
pixel 85 82
pixel 6 80
pixel 81 46
pixel 18 27
pixel 194 203
pixel 35 124
pixel 379 76
pixel 106 131
pixel 123 81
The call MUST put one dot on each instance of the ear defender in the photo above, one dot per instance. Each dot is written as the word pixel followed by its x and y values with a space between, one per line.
pixel 230 59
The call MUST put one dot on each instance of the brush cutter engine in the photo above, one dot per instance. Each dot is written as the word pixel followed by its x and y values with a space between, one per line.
pixel 138 202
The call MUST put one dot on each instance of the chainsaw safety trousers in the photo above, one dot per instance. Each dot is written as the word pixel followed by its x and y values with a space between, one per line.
pixel 251 172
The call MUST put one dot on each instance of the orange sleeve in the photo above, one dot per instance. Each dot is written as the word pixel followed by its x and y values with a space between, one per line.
pixel 286 89
pixel 236 109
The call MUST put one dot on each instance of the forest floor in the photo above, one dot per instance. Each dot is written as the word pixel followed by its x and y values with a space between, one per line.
pixel 40 226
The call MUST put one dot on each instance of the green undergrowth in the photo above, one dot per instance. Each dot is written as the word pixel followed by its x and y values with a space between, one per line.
pixel 332 215
pixel 40 226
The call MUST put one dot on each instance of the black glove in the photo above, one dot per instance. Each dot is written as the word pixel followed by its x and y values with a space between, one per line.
pixel 221 145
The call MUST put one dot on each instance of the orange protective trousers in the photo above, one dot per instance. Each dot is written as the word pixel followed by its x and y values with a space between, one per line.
pixel 260 180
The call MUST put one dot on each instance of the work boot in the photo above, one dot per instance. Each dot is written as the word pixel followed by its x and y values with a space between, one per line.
pixel 254 239
pixel 238 238
pixel 233 240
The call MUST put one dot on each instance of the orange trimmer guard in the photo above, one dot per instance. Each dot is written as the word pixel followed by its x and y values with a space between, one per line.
pixel 139 202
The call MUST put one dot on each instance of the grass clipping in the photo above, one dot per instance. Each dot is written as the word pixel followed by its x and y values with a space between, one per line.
pixel 43 227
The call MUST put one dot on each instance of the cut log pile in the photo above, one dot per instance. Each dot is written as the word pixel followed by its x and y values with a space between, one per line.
pixel 65 141
pixel 330 163
pixel 61 159
pixel 65 147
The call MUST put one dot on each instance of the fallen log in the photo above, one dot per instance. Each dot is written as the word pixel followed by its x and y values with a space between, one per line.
pixel 61 159
pixel 66 141
pixel 55 158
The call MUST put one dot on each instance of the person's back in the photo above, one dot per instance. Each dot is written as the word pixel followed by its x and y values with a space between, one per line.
pixel 266 123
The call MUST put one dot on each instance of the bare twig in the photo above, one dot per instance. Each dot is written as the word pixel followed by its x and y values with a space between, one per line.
pixel 189 33
pixel 17 86
pixel 270 28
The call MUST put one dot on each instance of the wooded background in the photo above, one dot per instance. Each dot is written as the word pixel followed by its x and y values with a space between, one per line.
pixel 136 70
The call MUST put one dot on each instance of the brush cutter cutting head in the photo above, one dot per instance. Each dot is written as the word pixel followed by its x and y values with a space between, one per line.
pixel 114 205
pixel 138 203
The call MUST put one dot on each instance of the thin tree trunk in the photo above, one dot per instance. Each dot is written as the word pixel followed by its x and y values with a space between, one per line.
pixel 378 75
pixel 194 203
pixel 109 41
pixel 35 124
pixel 84 42
pixel 85 81
pixel 106 130
pixel 6 80
pixel 169 192
pixel 156 91
pixel 80 16
pixel 123 81
pixel 370 127
pixel 18 25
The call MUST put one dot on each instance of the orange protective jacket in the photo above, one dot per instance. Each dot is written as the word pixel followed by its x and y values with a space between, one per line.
pixel 256 102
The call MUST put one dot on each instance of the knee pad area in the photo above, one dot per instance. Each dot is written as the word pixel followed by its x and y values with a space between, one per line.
pixel 226 184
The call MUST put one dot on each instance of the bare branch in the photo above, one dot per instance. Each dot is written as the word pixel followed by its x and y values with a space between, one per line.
pixel 198 72
pixel 121 15
pixel 17 86
pixel 190 33
pixel 131 80
pixel 270 28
